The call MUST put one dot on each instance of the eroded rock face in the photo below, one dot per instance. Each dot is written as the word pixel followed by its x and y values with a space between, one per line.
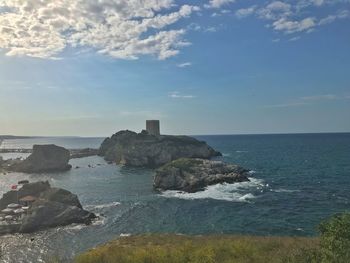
pixel 53 207
pixel 193 175
pixel 44 158
pixel 142 149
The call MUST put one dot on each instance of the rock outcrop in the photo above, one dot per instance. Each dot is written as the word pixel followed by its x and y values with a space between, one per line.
pixel 191 175
pixel 142 149
pixel 44 158
pixel 51 207
pixel 81 153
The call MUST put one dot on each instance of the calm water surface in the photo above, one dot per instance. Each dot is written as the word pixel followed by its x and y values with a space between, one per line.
pixel 296 181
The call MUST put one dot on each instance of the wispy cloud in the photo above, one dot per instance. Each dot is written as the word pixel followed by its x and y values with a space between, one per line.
pixel 218 3
pixel 291 18
pixel 287 105
pixel 321 97
pixel 184 65
pixel 177 95
pixel 308 100
pixel 244 12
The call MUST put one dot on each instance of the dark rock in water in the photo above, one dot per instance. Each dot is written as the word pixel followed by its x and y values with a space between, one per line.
pixel 45 214
pixel 62 196
pixel 45 158
pixel 142 149
pixel 193 175
pixel 50 207
pixel 74 154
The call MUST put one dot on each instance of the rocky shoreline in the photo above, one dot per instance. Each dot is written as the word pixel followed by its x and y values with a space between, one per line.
pixel 34 206
pixel 192 175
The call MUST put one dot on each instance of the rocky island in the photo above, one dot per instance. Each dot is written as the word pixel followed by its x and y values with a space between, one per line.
pixel 44 158
pixel 148 150
pixel 192 175
pixel 36 206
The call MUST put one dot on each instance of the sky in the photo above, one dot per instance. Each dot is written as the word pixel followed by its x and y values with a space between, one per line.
pixel 91 68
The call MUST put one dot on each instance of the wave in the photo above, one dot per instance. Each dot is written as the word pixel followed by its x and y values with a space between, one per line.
pixel 102 206
pixel 281 190
pixel 241 151
pixel 237 192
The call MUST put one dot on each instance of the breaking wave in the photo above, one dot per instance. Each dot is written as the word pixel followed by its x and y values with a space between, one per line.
pixel 237 192
pixel 102 206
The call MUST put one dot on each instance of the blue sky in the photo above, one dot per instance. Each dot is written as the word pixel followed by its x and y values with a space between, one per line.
pixel 201 67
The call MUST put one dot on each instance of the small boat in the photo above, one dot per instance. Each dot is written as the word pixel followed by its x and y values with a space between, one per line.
pixel 19 211
pixel 7 211
pixel 14 206
pixel 8 217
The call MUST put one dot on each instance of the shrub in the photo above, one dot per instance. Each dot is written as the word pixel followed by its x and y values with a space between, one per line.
pixel 335 239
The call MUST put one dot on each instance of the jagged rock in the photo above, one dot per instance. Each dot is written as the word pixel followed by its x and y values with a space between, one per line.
pixel 45 214
pixel 44 158
pixel 142 149
pixel 193 175
pixel 52 207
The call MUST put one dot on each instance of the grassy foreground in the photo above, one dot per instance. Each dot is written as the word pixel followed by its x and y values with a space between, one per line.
pixel 200 249
pixel 332 246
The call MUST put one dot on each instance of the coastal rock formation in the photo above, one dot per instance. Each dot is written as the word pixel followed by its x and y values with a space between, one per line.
pixel 44 158
pixel 191 175
pixel 48 207
pixel 142 149
pixel 81 153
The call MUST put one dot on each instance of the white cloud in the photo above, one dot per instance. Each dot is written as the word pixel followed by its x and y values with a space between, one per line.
pixel 184 65
pixel 119 28
pixel 331 18
pixel 275 10
pixel 289 17
pixel 244 12
pixel 177 95
pixel 218 3
pixel 289 26
pixel 294 38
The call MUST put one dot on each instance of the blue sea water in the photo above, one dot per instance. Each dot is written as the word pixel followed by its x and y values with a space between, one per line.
pixel 297 180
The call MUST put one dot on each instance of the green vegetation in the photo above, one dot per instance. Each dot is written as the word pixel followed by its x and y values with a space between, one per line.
pixel 335 239
pixel 333 246
pixel 183 163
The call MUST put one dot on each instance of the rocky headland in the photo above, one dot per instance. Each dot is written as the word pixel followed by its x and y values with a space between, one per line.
pixel 145 150
pixel 191 175
pixel 37 206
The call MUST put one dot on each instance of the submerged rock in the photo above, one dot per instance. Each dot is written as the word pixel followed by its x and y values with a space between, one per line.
pixel 49 207
pixel 142 149
pixel 193 175
pixel 44 158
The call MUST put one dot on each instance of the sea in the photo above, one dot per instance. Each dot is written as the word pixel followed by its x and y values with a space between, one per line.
pixel 296 181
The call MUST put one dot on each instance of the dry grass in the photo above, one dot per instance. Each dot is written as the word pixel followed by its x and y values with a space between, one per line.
pixel 200 249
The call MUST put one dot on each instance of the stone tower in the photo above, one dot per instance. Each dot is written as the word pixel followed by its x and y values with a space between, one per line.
pixel 153 127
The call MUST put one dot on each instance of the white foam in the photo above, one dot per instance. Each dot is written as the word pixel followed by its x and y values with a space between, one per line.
pixel 102 206
pixel 226 154
pixel 236 192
